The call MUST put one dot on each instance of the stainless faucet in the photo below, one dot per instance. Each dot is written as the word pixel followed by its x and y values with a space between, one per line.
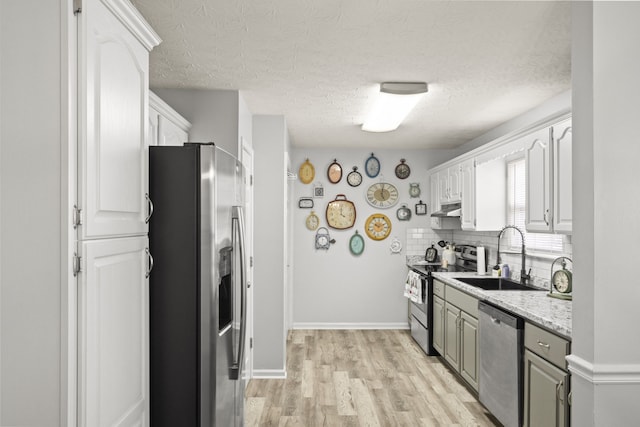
pixel 524 276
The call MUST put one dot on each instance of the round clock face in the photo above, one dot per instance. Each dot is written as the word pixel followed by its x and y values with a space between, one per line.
pixel 322 238
pixel 372 166
pixel 562 281
pixel 382 195
pixel 396 246
pixel 354 178
pixel 403 170
pixel 356 244
pixel 378 226
pixel 341 213
pixel 312 222
pixel 404 213
pixel 306 172
pixel 334 173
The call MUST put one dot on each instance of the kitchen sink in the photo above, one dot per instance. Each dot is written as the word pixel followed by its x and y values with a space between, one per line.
pixel 496 284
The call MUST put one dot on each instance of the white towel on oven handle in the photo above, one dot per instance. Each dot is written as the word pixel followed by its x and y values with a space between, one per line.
pixel 413 287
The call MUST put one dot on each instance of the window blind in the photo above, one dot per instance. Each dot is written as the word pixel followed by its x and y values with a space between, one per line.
pixel 516 201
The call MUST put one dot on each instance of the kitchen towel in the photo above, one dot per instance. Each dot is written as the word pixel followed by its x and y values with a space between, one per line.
pixel 481 261
pixel 413 287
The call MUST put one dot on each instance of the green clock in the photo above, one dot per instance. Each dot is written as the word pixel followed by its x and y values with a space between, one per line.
pixel 356 244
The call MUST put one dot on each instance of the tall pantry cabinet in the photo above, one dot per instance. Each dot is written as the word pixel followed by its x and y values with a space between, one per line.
pixel 113 208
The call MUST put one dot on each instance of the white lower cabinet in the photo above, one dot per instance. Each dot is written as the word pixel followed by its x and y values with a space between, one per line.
pixel 113 332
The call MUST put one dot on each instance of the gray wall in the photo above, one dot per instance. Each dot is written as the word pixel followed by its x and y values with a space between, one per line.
pixel 333 288
pixel 214 114
pixel 605 362
pixel 270 144
pixel 32 195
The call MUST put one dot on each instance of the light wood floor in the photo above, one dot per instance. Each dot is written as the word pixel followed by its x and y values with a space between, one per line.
pixel 361 378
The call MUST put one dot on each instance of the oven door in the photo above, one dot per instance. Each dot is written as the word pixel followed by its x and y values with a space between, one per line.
pixel 420 318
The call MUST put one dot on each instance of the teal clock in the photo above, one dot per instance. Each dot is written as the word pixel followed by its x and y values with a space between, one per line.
pixel 356 244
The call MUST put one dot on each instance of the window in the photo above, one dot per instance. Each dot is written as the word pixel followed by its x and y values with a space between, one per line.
pixel 516 199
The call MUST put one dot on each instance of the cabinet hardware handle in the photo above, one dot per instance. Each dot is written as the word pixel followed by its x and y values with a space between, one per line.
pixel 559 387
pixel 545 345
pixel 150 203
pixel 546 221
pixel 148 273
pixel 569 397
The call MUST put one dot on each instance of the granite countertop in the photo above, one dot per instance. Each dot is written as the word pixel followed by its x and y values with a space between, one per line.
pixel 535 306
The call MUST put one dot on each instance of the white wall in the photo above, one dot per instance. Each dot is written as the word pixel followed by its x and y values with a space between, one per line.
pixel 270 143
pixel 605 363
pixel 333 288
pixel 214 115
pixel 32 196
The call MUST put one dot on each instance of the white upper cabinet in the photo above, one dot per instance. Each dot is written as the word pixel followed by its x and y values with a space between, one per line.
pixel 562 172
pixel 483 204
pixel 113 86
pixel 169 126
pixel 538 214
pixel 549 172
pixel 449 184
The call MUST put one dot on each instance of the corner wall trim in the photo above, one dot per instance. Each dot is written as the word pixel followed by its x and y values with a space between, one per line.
pixel 310 325
pixel 270 374
pixel 604 373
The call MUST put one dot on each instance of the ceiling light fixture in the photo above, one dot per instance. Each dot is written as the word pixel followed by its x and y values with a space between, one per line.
pixel 394 102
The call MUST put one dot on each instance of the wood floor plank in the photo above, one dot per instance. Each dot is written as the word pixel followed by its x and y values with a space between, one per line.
pixel 361 378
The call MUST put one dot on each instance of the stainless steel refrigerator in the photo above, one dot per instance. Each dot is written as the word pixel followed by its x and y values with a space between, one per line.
pixel 197 288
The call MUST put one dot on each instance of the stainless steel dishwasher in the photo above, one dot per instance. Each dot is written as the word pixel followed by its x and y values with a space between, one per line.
pixel 500 382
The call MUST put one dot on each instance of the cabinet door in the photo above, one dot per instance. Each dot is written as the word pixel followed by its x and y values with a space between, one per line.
pixel 113 120
pixel 545 393
pixel 538 182
pixel 438 324
pixel 169 133
pixel 562 182
pixel 113 332
pixel 469 349
pixel 454 183
pixel 443 186
pixel 467 195
pixel 452 335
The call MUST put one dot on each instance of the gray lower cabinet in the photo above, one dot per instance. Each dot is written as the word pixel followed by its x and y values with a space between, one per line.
pixel 455 331
pixel 438 324
pixel 545 393
pixel 469 349
pixel 546 379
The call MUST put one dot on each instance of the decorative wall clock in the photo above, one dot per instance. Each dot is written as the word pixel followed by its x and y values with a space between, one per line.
pixel 305 203
pixel 354 178
pixel 323 239
pixel 334 172
pixel 421 208
pixel 341 213
pixel 307 172
pixel 318 190
pixel 403 170
pixel 396 246
pixel 377 226
pixel 382 195
pixel 403 213
pixel 372 166
pixel 356 244
pixel 414 189
pixel 312 222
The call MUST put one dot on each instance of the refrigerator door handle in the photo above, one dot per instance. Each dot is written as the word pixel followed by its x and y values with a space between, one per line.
pixel 238 217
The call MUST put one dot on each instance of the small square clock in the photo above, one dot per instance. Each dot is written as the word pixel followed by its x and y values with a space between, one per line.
pixel 318 191
pixel 421 208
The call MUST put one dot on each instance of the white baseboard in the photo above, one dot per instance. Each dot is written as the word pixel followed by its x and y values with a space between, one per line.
pixel 311 325
pixel 604 373
pixel 263 374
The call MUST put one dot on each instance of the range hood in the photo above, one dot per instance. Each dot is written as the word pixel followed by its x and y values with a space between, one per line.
pixel 448 211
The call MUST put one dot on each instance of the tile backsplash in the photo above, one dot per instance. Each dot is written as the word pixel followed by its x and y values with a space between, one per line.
pixel 419 239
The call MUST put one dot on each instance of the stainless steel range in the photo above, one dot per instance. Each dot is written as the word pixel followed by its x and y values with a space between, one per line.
pixel 420 319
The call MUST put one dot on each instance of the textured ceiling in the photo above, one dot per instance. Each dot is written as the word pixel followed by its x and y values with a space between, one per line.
pixel 318 62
